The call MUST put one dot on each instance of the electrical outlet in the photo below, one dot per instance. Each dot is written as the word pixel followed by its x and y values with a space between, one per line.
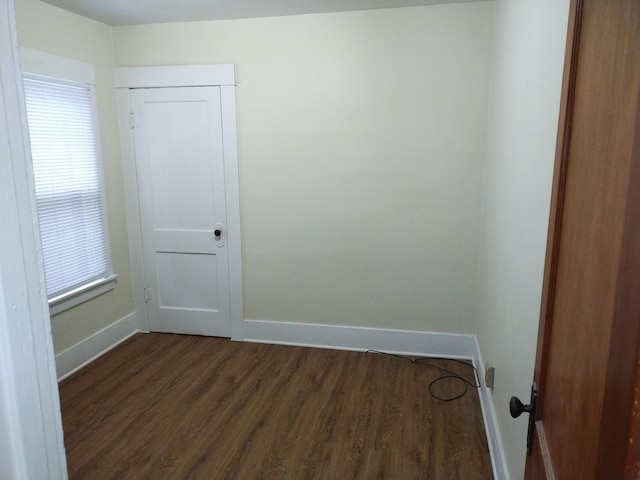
pixel 489 375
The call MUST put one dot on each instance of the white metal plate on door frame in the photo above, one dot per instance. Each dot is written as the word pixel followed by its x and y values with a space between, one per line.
pixel 183 76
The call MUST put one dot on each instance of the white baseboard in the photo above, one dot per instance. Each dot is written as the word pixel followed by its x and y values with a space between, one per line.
pixel 360 338
pixel 391 341
pixel 86 351
pixel 494 440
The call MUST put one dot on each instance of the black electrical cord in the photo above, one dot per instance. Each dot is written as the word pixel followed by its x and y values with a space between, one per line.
pixel 449 374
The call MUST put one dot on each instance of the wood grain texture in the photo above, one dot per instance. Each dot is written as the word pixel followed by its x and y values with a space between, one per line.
pixel 183 407
pixel 587 365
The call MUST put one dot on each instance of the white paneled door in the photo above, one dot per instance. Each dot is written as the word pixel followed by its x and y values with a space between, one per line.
pixel 181 186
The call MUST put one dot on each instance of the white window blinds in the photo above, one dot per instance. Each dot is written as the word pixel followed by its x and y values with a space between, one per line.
pixel 67 183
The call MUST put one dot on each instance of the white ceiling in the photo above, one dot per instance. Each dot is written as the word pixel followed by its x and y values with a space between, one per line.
pixel 135 12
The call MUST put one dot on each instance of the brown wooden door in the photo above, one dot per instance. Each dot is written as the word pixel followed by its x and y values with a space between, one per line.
pixel 587 358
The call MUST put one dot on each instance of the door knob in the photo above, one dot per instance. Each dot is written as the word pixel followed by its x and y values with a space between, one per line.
pixel 516 407
pixel 217 232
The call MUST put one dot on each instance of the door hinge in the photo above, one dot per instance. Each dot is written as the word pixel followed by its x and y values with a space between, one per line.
pixel 132 119
pixel 148 295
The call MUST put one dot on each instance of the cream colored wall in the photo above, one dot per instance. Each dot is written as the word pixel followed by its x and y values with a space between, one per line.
pixel 52 30
pixel 529 54
pixel 361 146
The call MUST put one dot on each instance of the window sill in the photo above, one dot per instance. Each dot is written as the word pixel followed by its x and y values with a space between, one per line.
pixel 82 294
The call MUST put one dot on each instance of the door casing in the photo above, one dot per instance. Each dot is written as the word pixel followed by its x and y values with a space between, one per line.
pixel 222 76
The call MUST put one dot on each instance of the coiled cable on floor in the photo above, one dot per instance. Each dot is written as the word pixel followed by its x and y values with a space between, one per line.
pixel 448 374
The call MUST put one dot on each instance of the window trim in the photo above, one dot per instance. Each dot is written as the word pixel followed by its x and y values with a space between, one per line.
pixel 81 294
pixel 41 65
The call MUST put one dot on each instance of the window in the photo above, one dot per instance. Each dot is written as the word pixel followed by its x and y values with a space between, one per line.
pixel 66 169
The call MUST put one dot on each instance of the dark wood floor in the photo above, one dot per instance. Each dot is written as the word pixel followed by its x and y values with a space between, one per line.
pixel 164 406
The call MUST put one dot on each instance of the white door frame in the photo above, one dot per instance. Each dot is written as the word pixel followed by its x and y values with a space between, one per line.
pixel 222 76
pixel 31 439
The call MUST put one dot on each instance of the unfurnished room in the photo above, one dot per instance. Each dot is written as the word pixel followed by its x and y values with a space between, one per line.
pixel 320 240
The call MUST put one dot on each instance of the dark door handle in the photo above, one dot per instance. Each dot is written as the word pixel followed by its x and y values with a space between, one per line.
pixel 217 232
pixel 516 407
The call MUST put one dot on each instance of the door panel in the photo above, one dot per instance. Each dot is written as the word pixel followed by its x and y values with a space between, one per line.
pixel 179 161
pixel 176 269
pixel 589 335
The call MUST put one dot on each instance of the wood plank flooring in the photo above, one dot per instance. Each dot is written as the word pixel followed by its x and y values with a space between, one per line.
pixel 164 406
